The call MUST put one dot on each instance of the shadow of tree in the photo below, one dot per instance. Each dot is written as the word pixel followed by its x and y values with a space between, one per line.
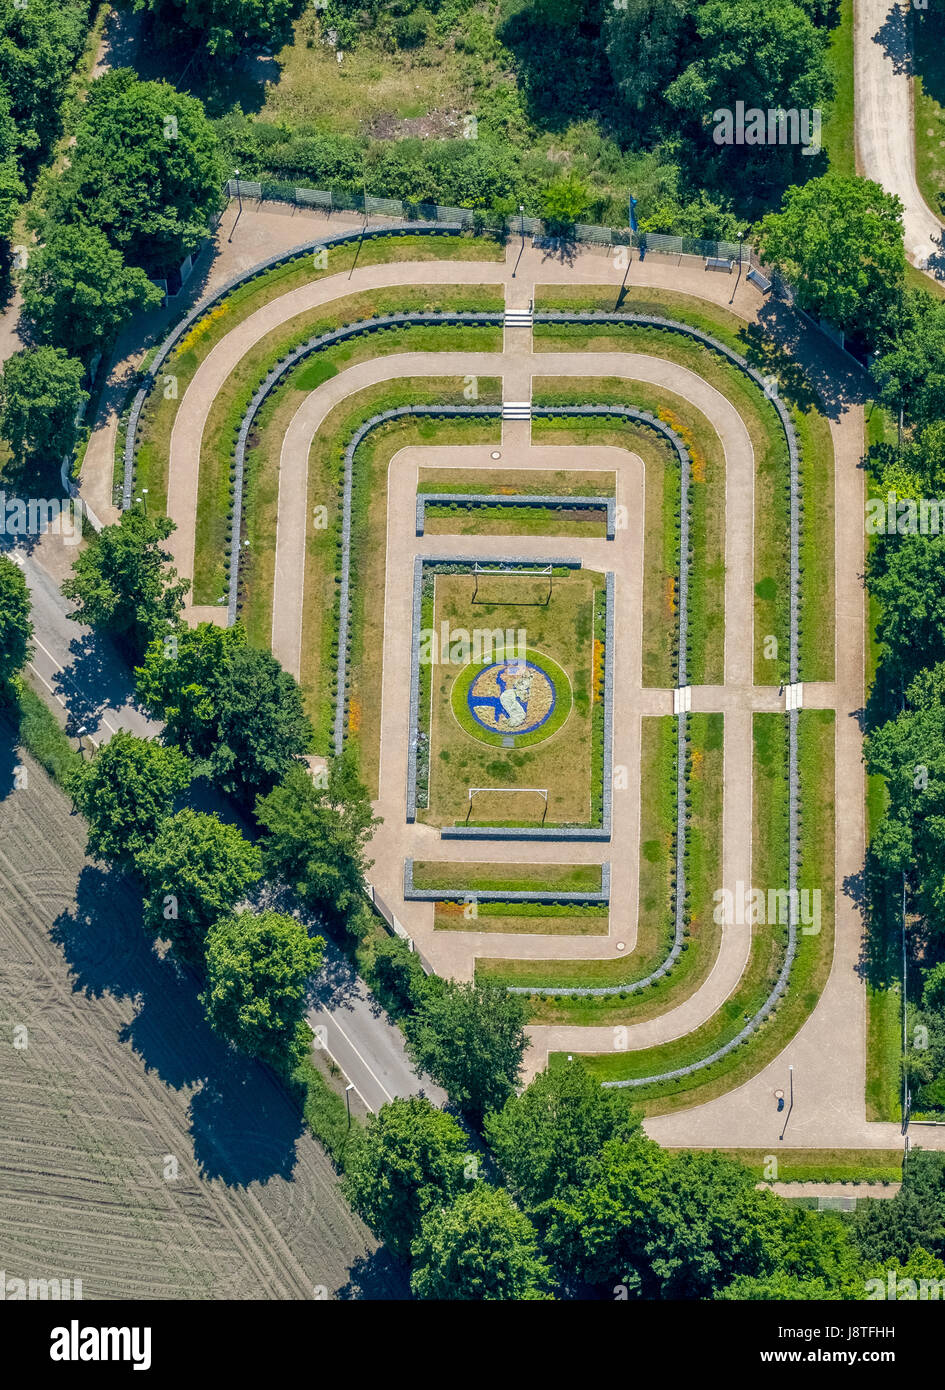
pixel 894 38
pixel 377 1276
pixel 243 1124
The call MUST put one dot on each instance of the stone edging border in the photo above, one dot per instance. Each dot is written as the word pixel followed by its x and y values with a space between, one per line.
pixel 524 499
pixel 512 895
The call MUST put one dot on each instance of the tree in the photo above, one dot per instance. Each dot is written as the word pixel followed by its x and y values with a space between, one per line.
pixel 906 577
pixel 177 682
pixel 764 53
pixel 481 1249
pixel 195 871
pixel 412 1161
pixel 546 1138
pixel 838 240
pixel 667 1225
pixel 471 1039
pixel 231 707
pixel 147 169
pixel 12 187
pixel 564 202
pixel 125 792
pixel 122 581
pixel 317 831
pixel 912 1220
pixel 16 629
pixel 39 44
pixel 258 971
pixel 78 292
pixel 40 397
pixel 261 724
pixel 911 372
pixel 227 27
pixel 647 42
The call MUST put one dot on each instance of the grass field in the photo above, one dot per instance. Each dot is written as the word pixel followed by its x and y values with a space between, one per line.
pixel 506 878
pixel 929 95
pixel 472 519
pixel 538 481
pixel 460 756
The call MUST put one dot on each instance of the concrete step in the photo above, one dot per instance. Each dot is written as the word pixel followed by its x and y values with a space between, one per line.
pixel 516 410
pixel 519 318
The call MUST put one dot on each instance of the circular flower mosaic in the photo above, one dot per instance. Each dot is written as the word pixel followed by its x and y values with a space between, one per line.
pixel 511 697
pixel 512 703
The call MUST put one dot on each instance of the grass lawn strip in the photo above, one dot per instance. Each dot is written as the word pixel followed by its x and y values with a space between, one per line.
pixel 474 519
pixel 822 1165
pixel 537 481
pixel 487 877
pixel 532 919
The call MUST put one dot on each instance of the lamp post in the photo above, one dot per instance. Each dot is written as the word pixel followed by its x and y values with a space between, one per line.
pixel 348 1089
pixel 239 199
pixel 144 498
pixel 521 213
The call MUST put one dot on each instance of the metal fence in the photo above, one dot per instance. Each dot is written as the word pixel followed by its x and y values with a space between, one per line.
pixel 274 190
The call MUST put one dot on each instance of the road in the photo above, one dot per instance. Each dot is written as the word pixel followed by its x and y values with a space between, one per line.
pixel 885 137
pixel 81 675
pixel 361 1038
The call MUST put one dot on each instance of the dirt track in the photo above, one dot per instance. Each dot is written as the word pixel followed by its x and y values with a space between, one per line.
pixel 121 1072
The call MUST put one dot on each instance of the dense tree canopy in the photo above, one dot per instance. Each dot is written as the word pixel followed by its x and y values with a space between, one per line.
pixel 39 44
pixel 471 1039
pixel 317 831
pixel 480 1249
pixel 911 372
pixel 195 871
pixel 907 576
pixel 40 396
pixel 146 170
pixel 230 707
pixel 259 967
pixel 546 1138
pixel 681 1225
pixel 78 292
pixel 122 581
pixel 838 240
pixel 16 629
pixel 764 53
pixel 412 1161
pixel 125 792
